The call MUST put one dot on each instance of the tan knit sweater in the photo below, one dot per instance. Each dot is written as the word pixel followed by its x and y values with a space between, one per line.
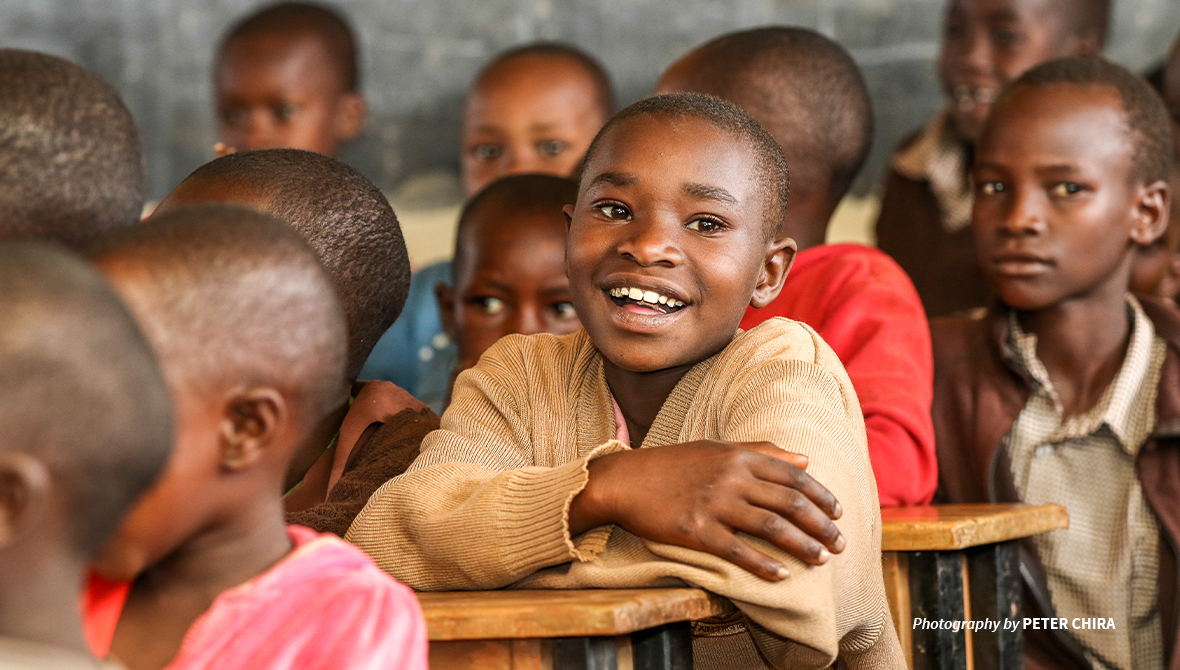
pixel 486 504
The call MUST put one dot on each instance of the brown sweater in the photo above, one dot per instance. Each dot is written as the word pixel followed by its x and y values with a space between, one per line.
pixel 486 504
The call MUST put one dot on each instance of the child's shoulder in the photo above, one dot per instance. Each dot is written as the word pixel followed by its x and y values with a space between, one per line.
pixel 780 339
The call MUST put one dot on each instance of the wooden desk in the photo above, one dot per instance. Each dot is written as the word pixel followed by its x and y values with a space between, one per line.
pixel 640 629
pixel 959 563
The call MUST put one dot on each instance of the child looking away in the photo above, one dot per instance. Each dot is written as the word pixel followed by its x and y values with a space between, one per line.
pixel 70 160
pixel 1066 391
pixel 374 431
pixel 574 462
pixel 926 206
pixel 287 77
pixel 204 573
pixel 808 93
pixel 508 274
pixel 533 109
pixel 85 428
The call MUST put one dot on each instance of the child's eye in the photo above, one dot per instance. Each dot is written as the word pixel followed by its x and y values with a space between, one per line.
pixel 1066 189
pixel 1002 37
pixel 487 152
pixel 490 305
pixel 614 211
pixel 705 225
pixel 551 147
pixel 285 111
pixel 232 115
pixel 565 311
pixel 991 187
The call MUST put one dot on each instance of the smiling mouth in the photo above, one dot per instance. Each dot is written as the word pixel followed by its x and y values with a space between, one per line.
pixel 637 297
pixel 969 98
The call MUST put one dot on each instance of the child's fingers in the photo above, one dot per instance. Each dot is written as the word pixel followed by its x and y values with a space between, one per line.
pixel 783 473
pixel 793 523
pixel 798 460
pixel 726 545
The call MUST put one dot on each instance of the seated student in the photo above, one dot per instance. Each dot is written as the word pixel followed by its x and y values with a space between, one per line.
pixel 536 478
pixel 808 93
pixel 1066 391
pixel 926 206
pixel 286 77
pixel 508 273
pixel 355 233
pixel 66 477
pixel 204 573
pixel 534 109
pixel 70 163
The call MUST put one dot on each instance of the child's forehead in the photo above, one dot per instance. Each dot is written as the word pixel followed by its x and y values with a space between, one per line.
pixel 532 74
pixel 1004 10
pixel 1054 118
pixel 272 49
pixel 690 142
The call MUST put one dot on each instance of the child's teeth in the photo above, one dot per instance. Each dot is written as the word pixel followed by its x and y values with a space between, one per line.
pixel 663 300
pixel 635 294
pixel 651 296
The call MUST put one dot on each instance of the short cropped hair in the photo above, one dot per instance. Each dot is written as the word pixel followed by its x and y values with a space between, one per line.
pixel 804 88
pixel 771 169
pixel 1148 122
pixel 71 166
pixel 528 194
pixel 80 387
pixel 233 296
pixel 344 217
pixel 300 18
pixel 603 90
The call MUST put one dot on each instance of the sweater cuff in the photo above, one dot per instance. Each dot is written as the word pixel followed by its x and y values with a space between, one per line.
pixel 590 544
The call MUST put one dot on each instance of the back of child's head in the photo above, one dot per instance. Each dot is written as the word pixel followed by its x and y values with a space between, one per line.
pixel 508 273
pixel 81 393
pixel 989 43
pixel 534 108
pixel 295 64
pixel 1148 124
pixel 771 166
pixel 342 215
pixel 70 161
pixel 804 88
pixel 232 297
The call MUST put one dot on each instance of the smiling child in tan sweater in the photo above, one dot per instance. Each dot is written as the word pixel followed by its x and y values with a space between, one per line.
pixel 533 482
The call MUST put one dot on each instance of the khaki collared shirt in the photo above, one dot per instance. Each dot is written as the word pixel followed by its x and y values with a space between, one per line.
pixel 1106 564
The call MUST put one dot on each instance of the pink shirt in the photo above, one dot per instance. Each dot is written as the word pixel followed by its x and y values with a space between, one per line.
pixel 325 605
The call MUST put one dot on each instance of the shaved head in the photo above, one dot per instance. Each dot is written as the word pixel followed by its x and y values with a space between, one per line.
pixel 80 388
pixel 550 54
pixel 341 214
pixel 295 20
pixel 71 167
pixel 228 295
pixel 802 87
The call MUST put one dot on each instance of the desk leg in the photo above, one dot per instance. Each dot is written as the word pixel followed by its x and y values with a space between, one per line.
pixel 666 647
pixel 994 572
pixel 585 653
pixel 936 594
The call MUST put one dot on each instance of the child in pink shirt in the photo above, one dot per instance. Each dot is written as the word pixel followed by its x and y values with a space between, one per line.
pixel 204 573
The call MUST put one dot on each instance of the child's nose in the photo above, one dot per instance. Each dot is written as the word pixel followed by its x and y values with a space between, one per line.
pixel 259 132
pixel 529 321
pixel 652 242
pixel 1025 215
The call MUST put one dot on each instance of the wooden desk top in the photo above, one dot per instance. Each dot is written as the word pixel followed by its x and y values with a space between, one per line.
pixel 949 527
pixel 499 615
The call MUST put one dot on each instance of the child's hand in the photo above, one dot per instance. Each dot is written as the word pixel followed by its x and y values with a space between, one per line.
pixel 700 494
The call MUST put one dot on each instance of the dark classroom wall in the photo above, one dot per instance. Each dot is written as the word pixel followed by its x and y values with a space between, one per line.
pixel 419 55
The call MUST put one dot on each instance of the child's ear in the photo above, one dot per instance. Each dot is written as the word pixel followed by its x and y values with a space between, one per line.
pixel 568 211
pixel 254 417
pixel 445 296
pixel 24 493
pixel 1150 216
pixel 779 258
pixel 351 118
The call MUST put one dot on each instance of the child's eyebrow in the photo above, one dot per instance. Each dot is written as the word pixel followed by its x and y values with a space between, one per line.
pixel 707 192
pixel 613 179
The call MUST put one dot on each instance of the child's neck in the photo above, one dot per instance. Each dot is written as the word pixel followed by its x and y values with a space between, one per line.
pixel 1082 343
pixel 42 604
pixel 640 395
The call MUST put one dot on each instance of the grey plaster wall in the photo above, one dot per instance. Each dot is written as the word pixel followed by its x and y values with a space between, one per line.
pixel 418 56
